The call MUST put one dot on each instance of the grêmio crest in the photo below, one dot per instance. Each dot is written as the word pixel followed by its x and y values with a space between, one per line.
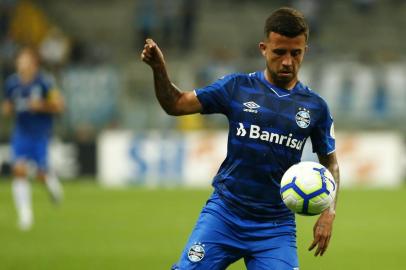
pixel 303 118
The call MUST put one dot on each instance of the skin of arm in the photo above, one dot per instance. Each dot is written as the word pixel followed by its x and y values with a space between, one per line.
pixel 7 108
pixel 171 98
pixel 323 228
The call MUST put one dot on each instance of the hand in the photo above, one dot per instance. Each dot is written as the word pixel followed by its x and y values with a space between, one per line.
pixel 36 106
pixel 152 55
pixel 322 232
pixel 7 108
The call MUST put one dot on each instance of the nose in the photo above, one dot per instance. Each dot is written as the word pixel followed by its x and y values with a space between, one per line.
pixel 287 60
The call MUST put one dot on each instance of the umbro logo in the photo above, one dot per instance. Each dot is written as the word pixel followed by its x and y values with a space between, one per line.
pixel 251 107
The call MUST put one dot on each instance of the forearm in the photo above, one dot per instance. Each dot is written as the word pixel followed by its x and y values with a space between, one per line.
pixel 335 171
pixel 54 107
pixel 166 92
pixel 330 162
pixel 7 108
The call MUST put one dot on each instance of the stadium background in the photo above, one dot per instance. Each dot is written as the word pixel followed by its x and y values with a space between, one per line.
pixel 115 134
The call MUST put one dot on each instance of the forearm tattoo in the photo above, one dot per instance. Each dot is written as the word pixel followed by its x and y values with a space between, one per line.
pixel 166 92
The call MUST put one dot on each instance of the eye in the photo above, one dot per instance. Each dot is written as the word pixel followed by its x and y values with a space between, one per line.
pixel 279 52
pixel 295 53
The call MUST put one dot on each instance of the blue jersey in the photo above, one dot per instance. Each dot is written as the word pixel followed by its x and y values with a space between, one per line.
pixel 268 127
pixel 29 124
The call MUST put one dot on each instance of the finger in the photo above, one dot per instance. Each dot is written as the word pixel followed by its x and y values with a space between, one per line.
pixel 315 241
pixel 145 58
pixel 325 246
pixel 321 246
pixel 147 53
pixel 317 252
pixel 314 229
pixel 147 49
pixel 317 235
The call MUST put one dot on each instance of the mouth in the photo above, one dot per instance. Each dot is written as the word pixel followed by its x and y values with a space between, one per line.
pixel 285 73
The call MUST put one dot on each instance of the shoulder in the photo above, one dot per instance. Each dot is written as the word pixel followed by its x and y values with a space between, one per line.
pixel 231 77
pixel 12 81
pixel 46 80
pixel 238 78
pixel 316 97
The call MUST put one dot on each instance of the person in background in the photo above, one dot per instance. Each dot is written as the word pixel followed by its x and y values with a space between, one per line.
pixel 32 99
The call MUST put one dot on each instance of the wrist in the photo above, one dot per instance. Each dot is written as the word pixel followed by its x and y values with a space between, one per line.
pixel 159 67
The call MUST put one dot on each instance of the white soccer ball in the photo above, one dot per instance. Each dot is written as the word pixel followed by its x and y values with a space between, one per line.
pixel 308 188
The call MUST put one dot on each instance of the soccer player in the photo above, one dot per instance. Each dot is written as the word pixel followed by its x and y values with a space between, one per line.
pixel 271 114
pixel 32 99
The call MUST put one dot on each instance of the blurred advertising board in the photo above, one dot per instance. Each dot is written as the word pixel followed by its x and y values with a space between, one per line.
pixel 192 159
pixel 158 158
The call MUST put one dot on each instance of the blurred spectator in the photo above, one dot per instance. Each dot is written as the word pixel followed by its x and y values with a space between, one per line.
pixel 188 23
pixel 381 95
pixel 8 49
pixel 54 49
pixel 77 51
pixel 5 16
pixel 364 6
pixel 145 21
pixel 28 25
pixel 311 9
pixel 346 96
pixel 169 14
pixel 219 64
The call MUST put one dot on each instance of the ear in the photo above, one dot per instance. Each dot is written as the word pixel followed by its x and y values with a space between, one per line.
pixel 306 48
pixel 262 47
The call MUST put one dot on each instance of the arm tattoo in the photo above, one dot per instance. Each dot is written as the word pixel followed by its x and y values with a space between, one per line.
pixel 331 164
pixel 166 92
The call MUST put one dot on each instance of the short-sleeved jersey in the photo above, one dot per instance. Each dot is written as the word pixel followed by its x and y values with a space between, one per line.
pixel 29 124
pixel 268 127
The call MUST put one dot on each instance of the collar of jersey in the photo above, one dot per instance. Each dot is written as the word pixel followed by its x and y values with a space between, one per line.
pixel 280 92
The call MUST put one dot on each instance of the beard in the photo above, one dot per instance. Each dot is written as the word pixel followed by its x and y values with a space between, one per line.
pixel 279 80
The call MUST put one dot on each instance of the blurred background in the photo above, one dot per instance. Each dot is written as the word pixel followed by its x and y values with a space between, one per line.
pixel 114 133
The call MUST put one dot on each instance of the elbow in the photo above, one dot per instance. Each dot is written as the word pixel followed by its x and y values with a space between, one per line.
pixel 172 110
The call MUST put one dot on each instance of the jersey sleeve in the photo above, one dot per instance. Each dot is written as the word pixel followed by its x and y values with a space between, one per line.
pixel 215 98
pixel 322 136
pixel 48 84
pixel 50 90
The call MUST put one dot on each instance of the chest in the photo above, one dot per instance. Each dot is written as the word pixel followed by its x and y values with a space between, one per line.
pixel 27 92
pixel 283 114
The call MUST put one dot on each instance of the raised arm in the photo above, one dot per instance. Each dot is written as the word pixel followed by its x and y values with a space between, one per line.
pixel 323 228
pixel 172 99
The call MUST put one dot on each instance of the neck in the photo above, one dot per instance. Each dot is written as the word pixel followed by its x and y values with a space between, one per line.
pixel 285 85
pixel 27 78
